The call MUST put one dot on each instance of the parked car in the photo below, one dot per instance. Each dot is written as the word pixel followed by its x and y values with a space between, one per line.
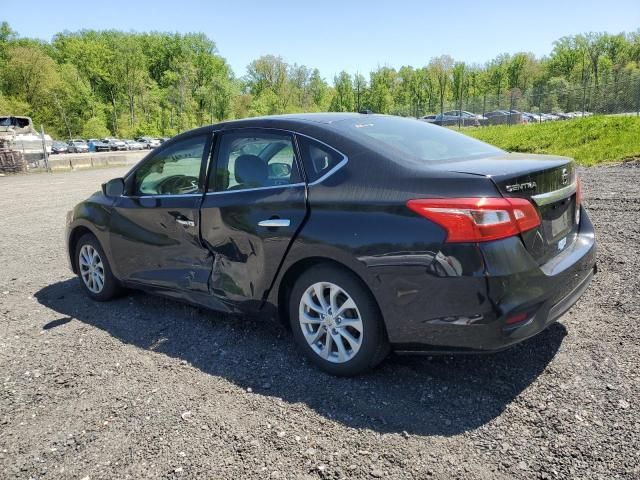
pixel 579 114
pixel 78 146
pixel 59 147
pixel 496 113
pixel 500 117
pixel 444 119
pixel 551 117
pixel 364 233
pixel 528 118
pixel 133 145
pixel 535 117
pixel 96 145
pixel 148 142
pixel 115 144
pixel 465 114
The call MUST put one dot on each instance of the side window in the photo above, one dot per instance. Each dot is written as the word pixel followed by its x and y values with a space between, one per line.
pixel 318 158
pixel 254 160
pixel 172 171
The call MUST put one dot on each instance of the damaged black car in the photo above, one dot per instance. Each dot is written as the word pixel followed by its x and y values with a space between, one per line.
pixel 364 233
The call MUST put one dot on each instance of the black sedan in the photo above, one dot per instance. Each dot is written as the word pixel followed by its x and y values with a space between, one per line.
pixel 364 233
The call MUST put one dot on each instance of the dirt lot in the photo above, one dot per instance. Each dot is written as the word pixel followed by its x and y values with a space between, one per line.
pixel 145 387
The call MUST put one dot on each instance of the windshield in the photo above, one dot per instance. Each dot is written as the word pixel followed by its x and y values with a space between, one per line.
pixel 414 138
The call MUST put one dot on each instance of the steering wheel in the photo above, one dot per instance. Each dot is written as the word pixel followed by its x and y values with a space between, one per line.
pixel 178 184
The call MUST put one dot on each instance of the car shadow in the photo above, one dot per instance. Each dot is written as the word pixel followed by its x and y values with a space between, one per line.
pixel 421 395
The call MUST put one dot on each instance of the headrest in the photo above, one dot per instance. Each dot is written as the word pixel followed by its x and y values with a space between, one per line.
pixel 251 170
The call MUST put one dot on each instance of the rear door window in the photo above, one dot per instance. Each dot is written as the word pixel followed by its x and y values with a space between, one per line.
pixel 254 159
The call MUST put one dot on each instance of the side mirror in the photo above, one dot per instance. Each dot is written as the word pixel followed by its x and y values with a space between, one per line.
pixel 113 188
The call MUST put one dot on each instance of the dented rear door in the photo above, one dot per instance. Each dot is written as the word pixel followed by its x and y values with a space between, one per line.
pixel 248 228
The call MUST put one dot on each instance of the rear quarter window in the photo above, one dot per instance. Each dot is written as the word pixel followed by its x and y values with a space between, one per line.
pixel 318 159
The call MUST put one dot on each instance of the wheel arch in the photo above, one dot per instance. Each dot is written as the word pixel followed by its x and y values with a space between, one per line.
pixel 74 236
pixel 295 270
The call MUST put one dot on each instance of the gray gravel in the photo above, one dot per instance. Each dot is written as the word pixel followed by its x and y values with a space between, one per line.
pixel 145 387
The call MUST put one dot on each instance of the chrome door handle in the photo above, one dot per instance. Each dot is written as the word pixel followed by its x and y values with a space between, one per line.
pixel 275 222
pixel 186 223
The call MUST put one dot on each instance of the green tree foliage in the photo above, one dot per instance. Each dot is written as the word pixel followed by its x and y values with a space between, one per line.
pixel 96 83
pixel 110 82
pixel 343 98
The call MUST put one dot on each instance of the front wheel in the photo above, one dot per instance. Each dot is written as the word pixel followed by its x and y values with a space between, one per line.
pixel 336 321
pixel 94 270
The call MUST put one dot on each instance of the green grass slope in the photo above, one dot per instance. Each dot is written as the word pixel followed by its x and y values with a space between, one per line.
pixel 589 141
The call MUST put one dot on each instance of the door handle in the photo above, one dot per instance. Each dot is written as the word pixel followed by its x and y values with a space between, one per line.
pixel 185 222
pixel 275 222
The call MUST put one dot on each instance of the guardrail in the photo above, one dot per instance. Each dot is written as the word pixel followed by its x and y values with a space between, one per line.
pixel 72 161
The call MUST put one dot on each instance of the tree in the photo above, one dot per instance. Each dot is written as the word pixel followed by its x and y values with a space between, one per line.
pixel 94 127
pixel 158 83
pixel 496 76
pixel 319 91
pixel 565 58
pixel 7 36
pixel 29 74
pixel 458 85
pixel 406 91
pixel 266 72
pixel 359 91
pixel 381 90
pixel 343 99
pixel 132 70
pixel 594 45
pixel 440 68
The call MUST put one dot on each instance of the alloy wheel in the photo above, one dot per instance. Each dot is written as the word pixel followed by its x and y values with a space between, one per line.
pixel 91 268
pixel 330 322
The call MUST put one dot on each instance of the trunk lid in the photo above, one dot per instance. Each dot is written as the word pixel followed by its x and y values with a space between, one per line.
pixel 549 182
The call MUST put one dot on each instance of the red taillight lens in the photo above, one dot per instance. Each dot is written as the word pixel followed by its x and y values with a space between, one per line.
pixel 517 318
pixel 478 219
pixel 578 198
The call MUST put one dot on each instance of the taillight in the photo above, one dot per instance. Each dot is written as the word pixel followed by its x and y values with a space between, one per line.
pixel 478 219
pixel 517 318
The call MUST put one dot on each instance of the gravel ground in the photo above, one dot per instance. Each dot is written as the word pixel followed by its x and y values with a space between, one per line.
pixel 146 387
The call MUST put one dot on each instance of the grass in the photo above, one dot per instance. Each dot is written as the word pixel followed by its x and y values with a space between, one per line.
pixel 590 141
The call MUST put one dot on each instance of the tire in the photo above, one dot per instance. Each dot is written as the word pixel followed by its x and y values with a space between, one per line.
pixel 110 288
pixel 359 329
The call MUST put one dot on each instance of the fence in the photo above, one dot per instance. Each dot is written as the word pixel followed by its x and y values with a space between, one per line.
pixel 537 104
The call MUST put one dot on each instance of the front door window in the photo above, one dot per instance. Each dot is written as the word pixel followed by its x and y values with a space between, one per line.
pixel 174 170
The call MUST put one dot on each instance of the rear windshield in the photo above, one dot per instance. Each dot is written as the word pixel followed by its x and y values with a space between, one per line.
pixel 414 139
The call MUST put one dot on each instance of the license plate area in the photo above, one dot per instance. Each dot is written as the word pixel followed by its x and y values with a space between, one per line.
pixel 560 225
pixel 558 219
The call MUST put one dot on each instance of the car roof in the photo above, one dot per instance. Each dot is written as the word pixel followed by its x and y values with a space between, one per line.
pixel 291 118
pixel 316 121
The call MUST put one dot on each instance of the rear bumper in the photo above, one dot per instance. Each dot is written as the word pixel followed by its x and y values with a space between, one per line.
pixel 472 312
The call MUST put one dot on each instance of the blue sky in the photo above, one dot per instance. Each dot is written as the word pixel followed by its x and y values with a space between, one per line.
pixel 335 35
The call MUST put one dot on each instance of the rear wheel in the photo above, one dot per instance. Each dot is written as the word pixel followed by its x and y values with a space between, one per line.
pixel 94 270
pixel 336 321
